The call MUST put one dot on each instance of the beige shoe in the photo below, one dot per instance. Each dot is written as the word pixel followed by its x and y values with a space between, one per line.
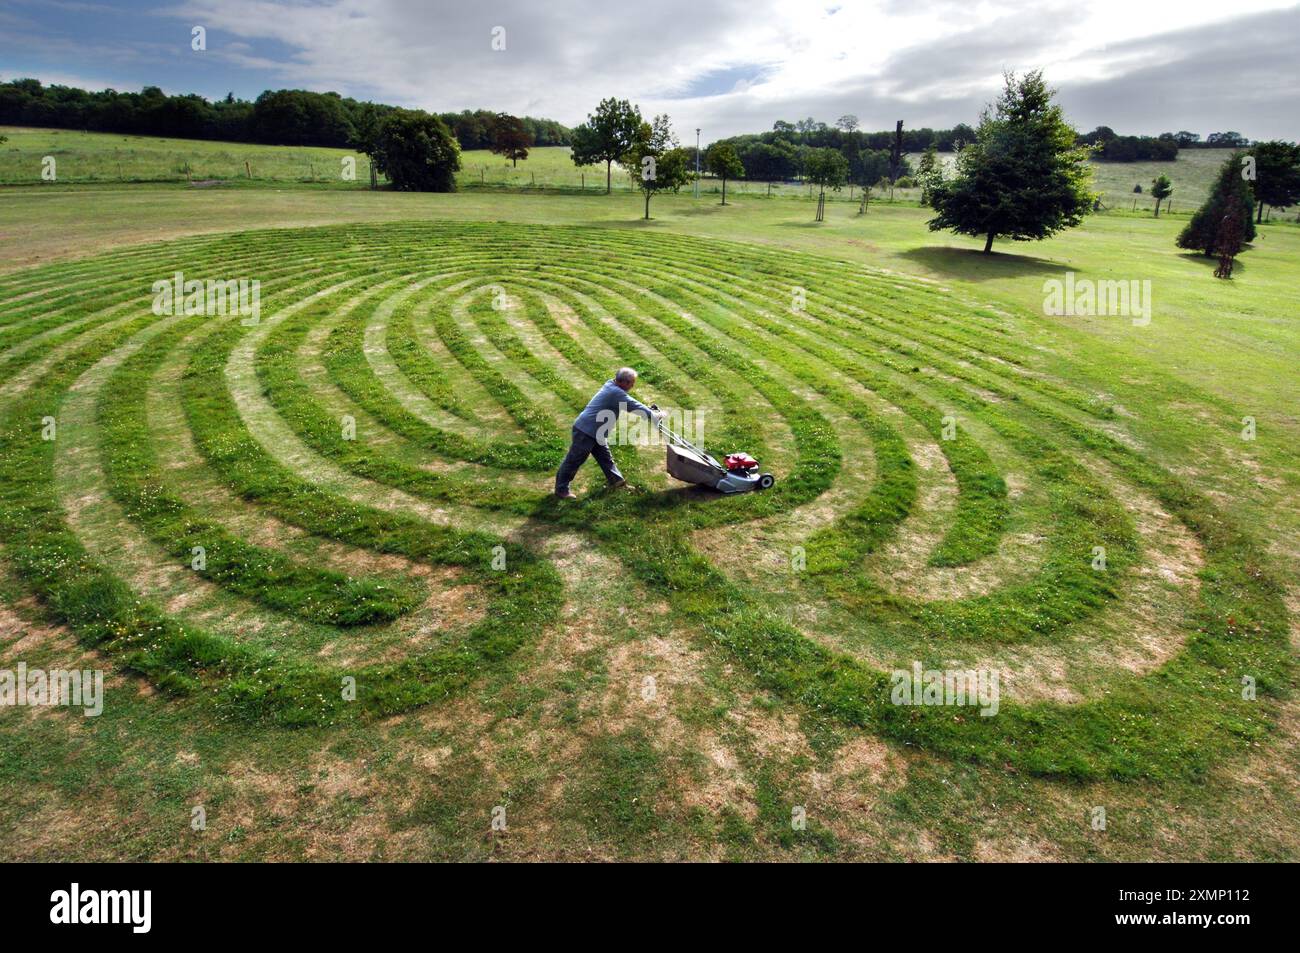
pixel 569 495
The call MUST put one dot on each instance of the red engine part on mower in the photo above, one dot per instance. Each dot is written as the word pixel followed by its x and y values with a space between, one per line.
pixel 740 461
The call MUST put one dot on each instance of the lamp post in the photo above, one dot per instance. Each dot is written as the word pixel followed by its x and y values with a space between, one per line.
pixel 697 163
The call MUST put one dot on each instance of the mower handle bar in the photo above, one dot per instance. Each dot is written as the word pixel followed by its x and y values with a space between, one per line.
pixel 678 438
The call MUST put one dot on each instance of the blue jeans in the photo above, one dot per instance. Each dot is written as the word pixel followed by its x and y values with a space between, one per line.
pixel 584 446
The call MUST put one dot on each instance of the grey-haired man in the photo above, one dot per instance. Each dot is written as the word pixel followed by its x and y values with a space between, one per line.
pixel 591 432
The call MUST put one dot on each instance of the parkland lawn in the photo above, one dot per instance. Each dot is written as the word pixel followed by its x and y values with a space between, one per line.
pixel 648 679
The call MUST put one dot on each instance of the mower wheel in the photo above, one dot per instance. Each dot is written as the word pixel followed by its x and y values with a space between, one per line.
pixel 765 481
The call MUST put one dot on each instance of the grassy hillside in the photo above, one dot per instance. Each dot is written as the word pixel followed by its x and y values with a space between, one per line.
pixel 96 157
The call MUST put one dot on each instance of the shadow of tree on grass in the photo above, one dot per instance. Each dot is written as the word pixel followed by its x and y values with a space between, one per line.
pixel 971 264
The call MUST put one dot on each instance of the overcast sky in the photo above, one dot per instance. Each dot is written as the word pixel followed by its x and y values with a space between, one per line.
pixel 729 66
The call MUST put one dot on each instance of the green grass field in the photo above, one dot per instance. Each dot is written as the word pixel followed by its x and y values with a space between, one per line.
pixel 657 674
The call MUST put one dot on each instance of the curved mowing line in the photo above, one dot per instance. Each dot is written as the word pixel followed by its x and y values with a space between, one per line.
pixel 942 330
pixel 250 683
pixel 138 483
pixel 353 368
pixel 494 327
pixel 58 328
pixel 402 367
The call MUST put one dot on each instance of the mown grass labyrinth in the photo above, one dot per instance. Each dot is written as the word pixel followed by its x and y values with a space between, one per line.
pixel 939 497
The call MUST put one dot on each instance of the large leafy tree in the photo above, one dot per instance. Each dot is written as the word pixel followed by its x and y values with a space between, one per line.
pixel 1215 223
pixel 1023 177
pixel 722 161
pixel 769 162
pixel 510 138
pixel 607 136
pixel 417 152
pixel 294 117
pixel 367 120
pixel 872 165
pixel 1277 175
pixel 655 162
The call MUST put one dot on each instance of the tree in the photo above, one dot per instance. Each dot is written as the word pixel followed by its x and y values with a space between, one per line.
pixel 769 162
pixel 291 117
pixel 655 162
pixel 928 168
pixel 607 135
pixel 805 126
pixel 1277 175
pixel 510 138
pixel 1229 196
pixel 417 152
pixel 1161 189
pixel 722 161
pixel 826 168
pixel 896 153
pixel 847 123
pixel 1226 140
pixel 872 166
pixel 1133 148
pixel 1229 236
pixel 366 122
pixel 1023 177
pixel 962 136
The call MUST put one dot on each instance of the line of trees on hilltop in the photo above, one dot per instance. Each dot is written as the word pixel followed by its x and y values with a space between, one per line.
pixel 1110 147
pixel 845 136
pixel 293 117
pixel 773 155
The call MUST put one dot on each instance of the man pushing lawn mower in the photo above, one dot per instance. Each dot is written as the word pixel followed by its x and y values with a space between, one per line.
pixel 591 432
pixel 687 462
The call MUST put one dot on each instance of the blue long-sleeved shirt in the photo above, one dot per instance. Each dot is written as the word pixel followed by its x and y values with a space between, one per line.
pixel 601 412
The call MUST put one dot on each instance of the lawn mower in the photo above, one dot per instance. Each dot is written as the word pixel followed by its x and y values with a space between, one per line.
pixel 738 473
